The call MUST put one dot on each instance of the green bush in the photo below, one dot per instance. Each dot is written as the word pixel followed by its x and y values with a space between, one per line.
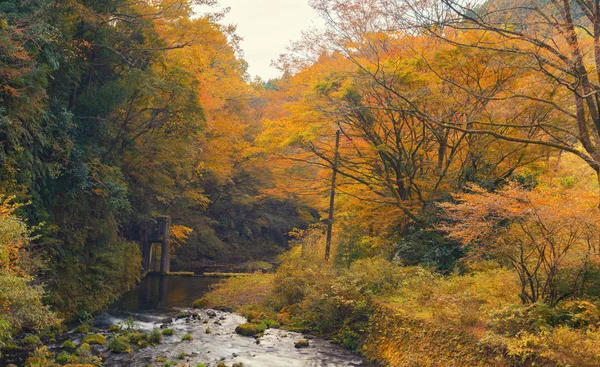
pixel 21 301
pixel 187 337
pixel 68 344
pixel 31 340
pixel 534 318
pixel 200 303
pixel 41 357
pixel 143 340
pixel 83 329
pixel 119 345
pixel 64 358
pixel 155 337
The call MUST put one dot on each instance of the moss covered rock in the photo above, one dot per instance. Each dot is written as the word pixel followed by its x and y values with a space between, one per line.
pixel 168 332
pixel 114 328
pixel 250 329
pixel 301 344
pixel 94 339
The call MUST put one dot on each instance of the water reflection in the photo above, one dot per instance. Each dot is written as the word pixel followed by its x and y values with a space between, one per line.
pixel 160 293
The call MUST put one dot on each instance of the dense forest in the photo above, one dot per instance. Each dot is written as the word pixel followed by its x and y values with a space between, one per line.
pixel 421 183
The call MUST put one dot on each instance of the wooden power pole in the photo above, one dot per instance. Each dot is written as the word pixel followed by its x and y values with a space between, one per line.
pixel 332 195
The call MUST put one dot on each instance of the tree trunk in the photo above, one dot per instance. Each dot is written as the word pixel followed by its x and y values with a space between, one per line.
pixel 332 196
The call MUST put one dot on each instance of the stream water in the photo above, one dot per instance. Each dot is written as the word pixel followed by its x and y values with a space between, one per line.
pixel 158 300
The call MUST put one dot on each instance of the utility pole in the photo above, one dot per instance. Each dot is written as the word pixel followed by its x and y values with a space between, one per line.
pixel 332 195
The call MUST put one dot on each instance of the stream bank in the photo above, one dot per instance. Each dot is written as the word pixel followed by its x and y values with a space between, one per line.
pixel 162 303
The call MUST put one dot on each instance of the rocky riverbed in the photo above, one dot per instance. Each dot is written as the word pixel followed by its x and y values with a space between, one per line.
pixel 212 339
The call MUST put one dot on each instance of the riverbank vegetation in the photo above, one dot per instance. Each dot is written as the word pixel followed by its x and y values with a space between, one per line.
pixel 447 154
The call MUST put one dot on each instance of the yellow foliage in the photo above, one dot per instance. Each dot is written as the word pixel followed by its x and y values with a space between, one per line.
pixel 180 234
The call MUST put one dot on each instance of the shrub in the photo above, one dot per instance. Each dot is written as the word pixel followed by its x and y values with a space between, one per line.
pixel 64 358
pixel 19 295
pixel 200 303
pixel 83 348
pixel 31 340
pixel 143 340
pixel 68 344
pixel 578 314
pixel 41 357
pixel 119 345
pixel 83 329
pixel 187 337
pixel 155 337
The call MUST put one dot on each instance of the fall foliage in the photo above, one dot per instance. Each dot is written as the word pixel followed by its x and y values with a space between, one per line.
pixel 464 141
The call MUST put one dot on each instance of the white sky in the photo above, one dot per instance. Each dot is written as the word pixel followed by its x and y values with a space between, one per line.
pixel 267 27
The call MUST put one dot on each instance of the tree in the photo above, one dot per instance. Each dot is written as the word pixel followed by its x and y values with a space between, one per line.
pixel 21 305
pixel 383 90
pixel 548 236
pixel 556 44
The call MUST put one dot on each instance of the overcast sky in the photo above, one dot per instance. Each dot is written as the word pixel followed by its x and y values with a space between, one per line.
pixel 267 27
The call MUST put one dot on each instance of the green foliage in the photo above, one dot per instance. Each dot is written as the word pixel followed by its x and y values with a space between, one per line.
pixel 21 302
pixel 538 317
pixel 143 339
pixel 119 344
pixel 187 337
pixel 155 337
pixel 64 358
pixel 200 303
pixel 68 344
pixel 41 357
pixel 31 340
pixel 82 329
pixel 428 248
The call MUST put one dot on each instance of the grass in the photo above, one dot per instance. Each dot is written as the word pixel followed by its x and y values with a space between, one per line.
pixel 233 292
pixel 119 345
pixel 187 337
pixel 217 274
pixel 182 273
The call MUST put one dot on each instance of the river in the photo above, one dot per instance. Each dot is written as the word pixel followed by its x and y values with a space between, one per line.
pixel 158 300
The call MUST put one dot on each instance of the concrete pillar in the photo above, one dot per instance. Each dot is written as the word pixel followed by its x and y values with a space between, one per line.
pixel 146 251
pixel 164 223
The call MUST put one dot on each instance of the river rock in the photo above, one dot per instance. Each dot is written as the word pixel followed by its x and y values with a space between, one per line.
pixel 301 344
